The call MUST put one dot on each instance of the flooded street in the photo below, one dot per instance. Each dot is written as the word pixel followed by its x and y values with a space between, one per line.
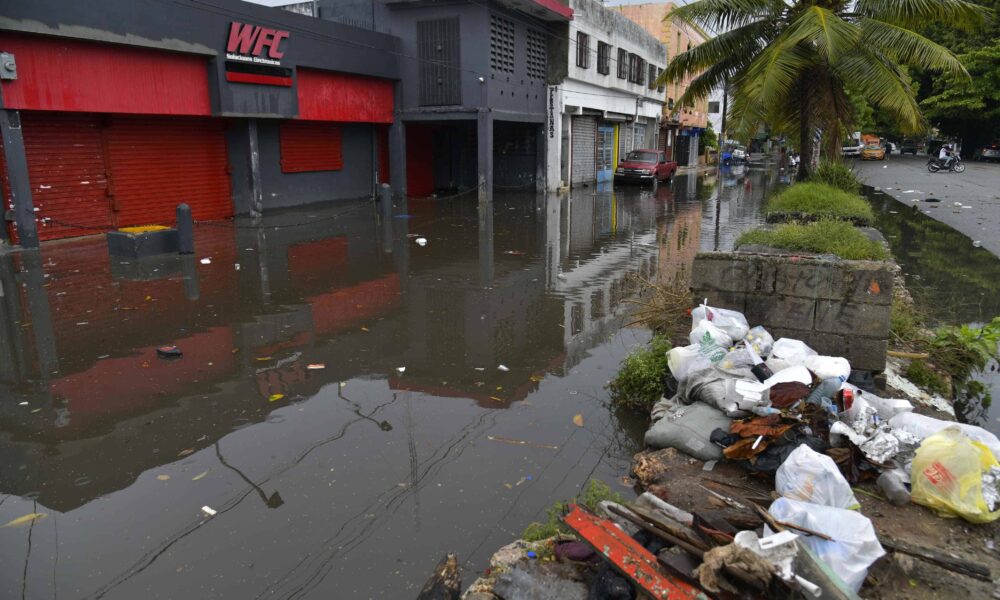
pixel 340 403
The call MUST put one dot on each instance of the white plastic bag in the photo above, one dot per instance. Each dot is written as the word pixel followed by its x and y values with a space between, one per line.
pixel 827 367
pixel 854 546
pixel 713 343
pixel 732 322
pixel 809 476
pixel 761 340
pixel 787 352
pixel 685 360
pixel 923 426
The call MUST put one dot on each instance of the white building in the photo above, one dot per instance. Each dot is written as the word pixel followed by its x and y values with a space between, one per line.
pixel 715 106
pixel 609 103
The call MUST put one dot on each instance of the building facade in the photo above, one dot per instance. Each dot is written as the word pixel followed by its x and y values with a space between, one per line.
pixel 472 101
pixel 112 117
pixel 681 126
pixel 609 103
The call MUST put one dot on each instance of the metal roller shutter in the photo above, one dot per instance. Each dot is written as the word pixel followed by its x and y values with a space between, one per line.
pixel 584 142
pixel 67 173
pixel 624 140
pixel 158 163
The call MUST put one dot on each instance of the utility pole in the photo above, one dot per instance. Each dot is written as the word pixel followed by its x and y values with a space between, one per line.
pixel 725 107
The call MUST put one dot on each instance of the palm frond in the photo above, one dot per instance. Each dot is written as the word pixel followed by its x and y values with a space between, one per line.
pixel 746 41
pixel 916 13
pixel 882 84
pixel 909 47
pixel 723 15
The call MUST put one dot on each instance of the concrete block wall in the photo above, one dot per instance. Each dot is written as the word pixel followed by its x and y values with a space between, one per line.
pixel 838 307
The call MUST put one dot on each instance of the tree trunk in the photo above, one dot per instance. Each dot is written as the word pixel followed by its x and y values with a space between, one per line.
pixel 806 140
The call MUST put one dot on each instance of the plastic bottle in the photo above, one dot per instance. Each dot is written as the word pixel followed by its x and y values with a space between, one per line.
pixel 891 485
pixel 827 388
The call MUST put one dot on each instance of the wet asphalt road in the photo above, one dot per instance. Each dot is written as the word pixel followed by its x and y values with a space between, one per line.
pixel 977 192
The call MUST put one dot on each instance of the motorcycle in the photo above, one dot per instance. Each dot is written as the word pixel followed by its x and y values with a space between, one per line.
pixel 936 164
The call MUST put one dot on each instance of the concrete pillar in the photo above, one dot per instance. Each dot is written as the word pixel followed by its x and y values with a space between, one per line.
pixel 17 178
pixel 13 357
pixel 542 151
pixel 486 270
pixel 397 147
pixel 256 191
pixel 484 156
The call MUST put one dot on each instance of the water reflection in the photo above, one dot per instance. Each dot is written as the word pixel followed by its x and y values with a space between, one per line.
pixel 336 372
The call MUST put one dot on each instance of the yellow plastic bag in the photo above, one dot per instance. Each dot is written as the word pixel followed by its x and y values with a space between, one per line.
pixel 947 476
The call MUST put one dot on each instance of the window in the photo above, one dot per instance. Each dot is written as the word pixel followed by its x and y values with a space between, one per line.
pixel 662 86
pixel 603 58
pixel 640 72
pixel 713 108
pixel 501 44
pixel 622 64
pixel 633 67
pixel 308 146
pixel 582 50
pixel 536 55
pixel 652 77
pixel 438 52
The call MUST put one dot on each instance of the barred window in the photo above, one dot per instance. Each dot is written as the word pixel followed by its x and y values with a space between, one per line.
pixel 603 58
pixel 536 67
pixel 501 44
pixel 622 64
pixel 582 50
pixel 652 77
pixel 661 87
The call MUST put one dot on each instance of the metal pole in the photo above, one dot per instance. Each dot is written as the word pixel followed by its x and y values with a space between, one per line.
pixel 17 178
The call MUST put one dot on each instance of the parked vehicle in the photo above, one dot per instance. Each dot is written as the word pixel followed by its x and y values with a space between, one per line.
pixel 645 166
pixel 989 153
pixel 935 164
pixel 852 148
pixel 910 147
pixel 874 152
pixel 734 154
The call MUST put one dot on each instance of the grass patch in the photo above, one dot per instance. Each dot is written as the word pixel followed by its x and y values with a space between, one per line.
pixel 927 378
pixel 593 494
pixel 821 237
pixel 838 175
pixel 639 382
pixel 814 201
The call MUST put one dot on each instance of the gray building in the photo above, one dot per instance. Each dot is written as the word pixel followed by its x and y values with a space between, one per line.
pixel 473 97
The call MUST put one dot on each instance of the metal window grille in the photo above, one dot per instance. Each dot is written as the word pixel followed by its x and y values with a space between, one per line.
pixel 603 58
pixel 501 44
pixel 622 64
pixel 652 77
pixel 582 50
pixel 438 51
pixel 661 87
pixel 537 63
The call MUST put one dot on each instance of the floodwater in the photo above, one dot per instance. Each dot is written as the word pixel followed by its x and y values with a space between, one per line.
pixel 953 281
pixel 340 404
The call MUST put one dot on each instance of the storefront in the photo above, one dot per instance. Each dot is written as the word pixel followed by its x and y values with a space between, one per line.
pixel 111 118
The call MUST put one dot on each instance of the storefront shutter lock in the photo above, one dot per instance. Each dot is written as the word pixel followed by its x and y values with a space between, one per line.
pixel 8 68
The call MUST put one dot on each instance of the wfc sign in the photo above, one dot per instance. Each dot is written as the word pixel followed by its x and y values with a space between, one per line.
pixel 248 43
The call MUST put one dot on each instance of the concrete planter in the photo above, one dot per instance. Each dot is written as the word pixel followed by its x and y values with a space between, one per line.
pixel 141 242
pixel 839 307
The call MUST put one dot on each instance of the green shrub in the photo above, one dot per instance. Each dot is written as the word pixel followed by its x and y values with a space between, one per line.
pixel 906 325
pixel 926 378
pixel 836 174
pixel 593 494
pixel 639 382
pixel 812 201
pixel 963 351
pixel 821 237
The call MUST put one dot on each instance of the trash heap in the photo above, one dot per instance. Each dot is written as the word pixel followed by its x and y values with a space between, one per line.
pixel 778 407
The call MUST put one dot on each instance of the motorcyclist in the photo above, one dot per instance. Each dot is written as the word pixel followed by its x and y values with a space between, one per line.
pixel 946 156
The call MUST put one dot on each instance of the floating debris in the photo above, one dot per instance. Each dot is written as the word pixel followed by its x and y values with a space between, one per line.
pixel 208 510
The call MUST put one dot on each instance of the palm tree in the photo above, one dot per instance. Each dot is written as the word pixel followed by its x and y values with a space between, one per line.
pixel 789 63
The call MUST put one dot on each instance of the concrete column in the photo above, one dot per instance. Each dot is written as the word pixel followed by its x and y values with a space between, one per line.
pixel 397 147
pixel 13 358
pixel 256 191
pixel 484 156
pixel 17 178
pixel 486 270
pixel 542 151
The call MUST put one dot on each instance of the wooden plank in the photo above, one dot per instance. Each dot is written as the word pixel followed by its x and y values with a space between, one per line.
pixel 628 557
pixel 959 565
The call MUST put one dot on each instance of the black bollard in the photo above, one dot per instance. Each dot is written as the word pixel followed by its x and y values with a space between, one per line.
pixel 185 230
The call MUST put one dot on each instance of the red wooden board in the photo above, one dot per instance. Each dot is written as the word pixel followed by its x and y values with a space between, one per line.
pixel 631 559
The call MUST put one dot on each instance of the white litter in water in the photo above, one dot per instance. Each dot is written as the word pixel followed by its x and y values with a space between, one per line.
pixel 84 183
pixel 206 261
pixel 45 187
pixel 912 192
pixel 885 166
pixel 958 204
pixel 237 265
pixel 421 241
pixel 23 404
pixel 503 368
pixel 36 209
pixel 208 510
pixel 977 244
pixel 401 369
pixel 480 368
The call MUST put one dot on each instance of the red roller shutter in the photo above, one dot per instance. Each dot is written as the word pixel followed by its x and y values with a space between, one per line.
pixel 310 146
pixel 67 174
pixel 157 163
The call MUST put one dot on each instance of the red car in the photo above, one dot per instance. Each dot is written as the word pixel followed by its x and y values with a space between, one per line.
pixel 645 166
